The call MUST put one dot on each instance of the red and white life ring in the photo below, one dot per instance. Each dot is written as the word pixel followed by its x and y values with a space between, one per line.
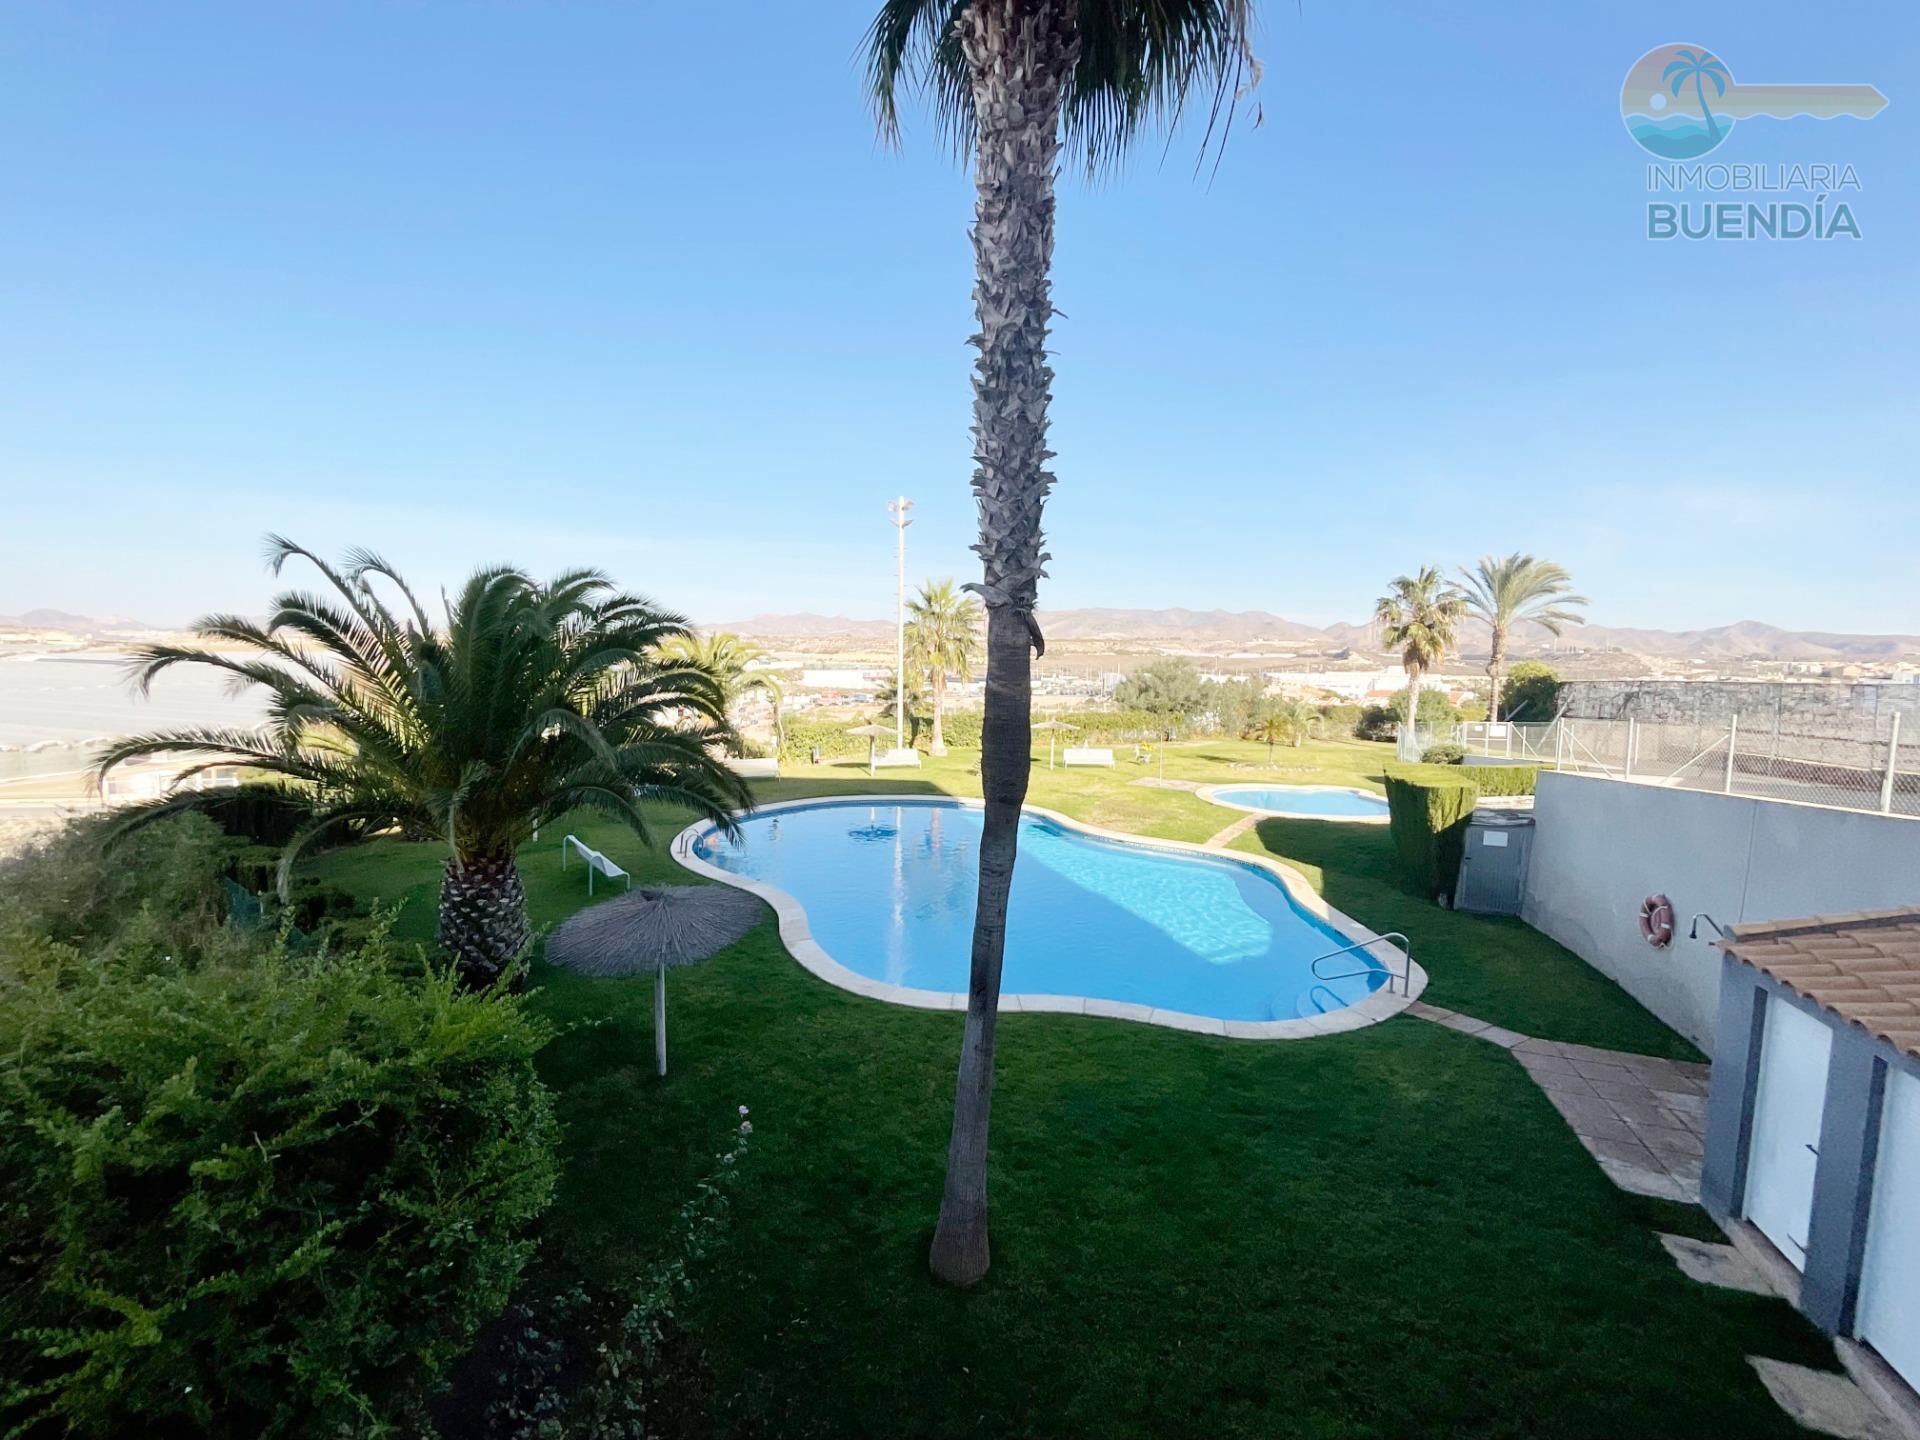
pixel 1656 921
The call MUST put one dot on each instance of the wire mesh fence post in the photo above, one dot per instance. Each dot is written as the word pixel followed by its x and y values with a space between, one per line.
pixel 1893 762
pixel 1633 729
pixel 1733 741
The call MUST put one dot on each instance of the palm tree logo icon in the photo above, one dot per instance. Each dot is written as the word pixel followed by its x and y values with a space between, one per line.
pixel 1699 67
pixel 1681 101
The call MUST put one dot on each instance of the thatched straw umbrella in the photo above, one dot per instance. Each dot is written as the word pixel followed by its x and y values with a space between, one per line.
pixel 656 928
pixel 873 734
pixel 1050 726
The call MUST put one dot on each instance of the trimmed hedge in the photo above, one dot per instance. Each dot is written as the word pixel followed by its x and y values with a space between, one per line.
pixel 1429 806
pixel 1502 779
pixel 799 736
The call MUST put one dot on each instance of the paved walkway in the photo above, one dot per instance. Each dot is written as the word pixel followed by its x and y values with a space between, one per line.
pixel 1219 840
pixel 1640 1117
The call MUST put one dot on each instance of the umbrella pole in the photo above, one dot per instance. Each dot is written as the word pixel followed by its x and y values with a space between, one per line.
pixel 660 1017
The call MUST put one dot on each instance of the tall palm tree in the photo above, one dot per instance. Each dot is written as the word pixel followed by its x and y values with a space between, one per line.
pixel 943 638
pixel 1014 81
pixel 1420 617
pixel 531 700
pixel 1698 67
pixel 728 660
pixel 1507 592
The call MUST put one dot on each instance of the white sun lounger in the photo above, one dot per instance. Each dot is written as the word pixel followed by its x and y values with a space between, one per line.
pixel 596 862
pixel 1086 755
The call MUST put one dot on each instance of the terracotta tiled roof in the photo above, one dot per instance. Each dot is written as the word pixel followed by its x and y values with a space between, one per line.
pixel 1863 968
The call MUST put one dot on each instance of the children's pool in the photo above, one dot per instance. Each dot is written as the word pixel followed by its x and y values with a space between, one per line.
pixel 1316 802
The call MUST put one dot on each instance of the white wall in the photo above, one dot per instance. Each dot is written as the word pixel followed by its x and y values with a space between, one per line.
pixel 1602 846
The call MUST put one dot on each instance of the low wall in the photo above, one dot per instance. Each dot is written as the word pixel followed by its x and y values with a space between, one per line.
pixel 1602 846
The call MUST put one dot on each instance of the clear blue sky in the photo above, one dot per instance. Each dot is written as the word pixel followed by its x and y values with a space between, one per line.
pixel 632 284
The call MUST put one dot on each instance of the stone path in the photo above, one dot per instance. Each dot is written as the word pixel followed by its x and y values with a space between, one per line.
pixel 1640 1117
pixel 1221 839
pixel 1643 1120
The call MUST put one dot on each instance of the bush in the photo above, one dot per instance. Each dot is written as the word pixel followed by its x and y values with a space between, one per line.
pixel 159 895
pixel 1504 779
pixel 1343 719
pixel 1444 754
pixel 258 1196
pixel 1530 692
pixel 1429 806
pixel 802 735
pixel 961 729
pixel 1375 722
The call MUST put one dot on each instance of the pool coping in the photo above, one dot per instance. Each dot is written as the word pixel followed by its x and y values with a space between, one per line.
pixel 797 936
pixel 1210 793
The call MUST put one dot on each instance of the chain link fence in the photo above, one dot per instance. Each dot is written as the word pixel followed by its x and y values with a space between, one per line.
pixel 1869 765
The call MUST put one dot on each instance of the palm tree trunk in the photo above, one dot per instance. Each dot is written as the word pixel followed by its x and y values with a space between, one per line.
pixel 1496 661
pixel 1019 54
pixel 483 918
pixel 939 743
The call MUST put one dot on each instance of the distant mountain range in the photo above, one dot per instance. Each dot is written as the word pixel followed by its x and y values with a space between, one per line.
pixel 1745 640
pixel 69 623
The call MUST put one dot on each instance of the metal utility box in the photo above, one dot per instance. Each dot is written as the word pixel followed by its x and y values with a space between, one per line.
pixel 1493 863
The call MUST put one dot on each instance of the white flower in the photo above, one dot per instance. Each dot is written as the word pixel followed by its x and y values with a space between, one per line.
pixel 743 1112
pixel 746 1127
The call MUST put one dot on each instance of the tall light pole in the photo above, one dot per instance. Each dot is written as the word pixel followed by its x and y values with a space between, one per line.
pixel 898 509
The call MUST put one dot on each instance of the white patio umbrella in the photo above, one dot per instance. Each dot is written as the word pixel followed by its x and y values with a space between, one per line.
pixel 657 928
pixel 1050 726
pixel 873 734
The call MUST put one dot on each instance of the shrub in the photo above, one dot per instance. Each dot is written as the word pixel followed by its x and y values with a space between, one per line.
pixel 1504 779
pixel 1375 722
pixel 961 729
pixel 802 735
pixel 1444 754
pixel 254 1197
pixel 159 893
pixel 1343 719
pixel 1435 708
pixel 1531 692
pixel 1429 806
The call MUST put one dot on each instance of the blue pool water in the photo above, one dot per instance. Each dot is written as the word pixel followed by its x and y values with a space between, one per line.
pixel 1300 800
pixel 889 893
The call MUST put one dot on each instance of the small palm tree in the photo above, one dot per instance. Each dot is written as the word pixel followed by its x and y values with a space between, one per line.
pixel 530 701
pixel 1270 728
pixel 943 638
pixel 1299 716
pixel 1015 80
pixel 1507 592
pixel 1420 617
pixel 729 661
pixel 1698 67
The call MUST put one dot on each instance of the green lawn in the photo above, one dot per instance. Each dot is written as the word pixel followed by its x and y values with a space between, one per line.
pixel 1382 1233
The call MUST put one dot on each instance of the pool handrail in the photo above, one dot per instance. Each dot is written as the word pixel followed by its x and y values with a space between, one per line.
pixel 1406 949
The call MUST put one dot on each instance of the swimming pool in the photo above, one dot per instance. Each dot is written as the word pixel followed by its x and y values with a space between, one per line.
pixel 1311 802
pixel 877 895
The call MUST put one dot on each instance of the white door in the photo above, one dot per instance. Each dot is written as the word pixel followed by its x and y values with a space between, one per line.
pixel 1794 1049
pixel 1888 1316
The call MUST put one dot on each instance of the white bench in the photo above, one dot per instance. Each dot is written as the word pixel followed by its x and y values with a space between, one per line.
pixel 893 759
pixel 1086 755
pixel 596 862
pixel 756 767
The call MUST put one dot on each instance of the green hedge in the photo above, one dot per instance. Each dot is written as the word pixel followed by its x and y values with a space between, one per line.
pixel 799 736
pixel 1502 779
pixel 1429 806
